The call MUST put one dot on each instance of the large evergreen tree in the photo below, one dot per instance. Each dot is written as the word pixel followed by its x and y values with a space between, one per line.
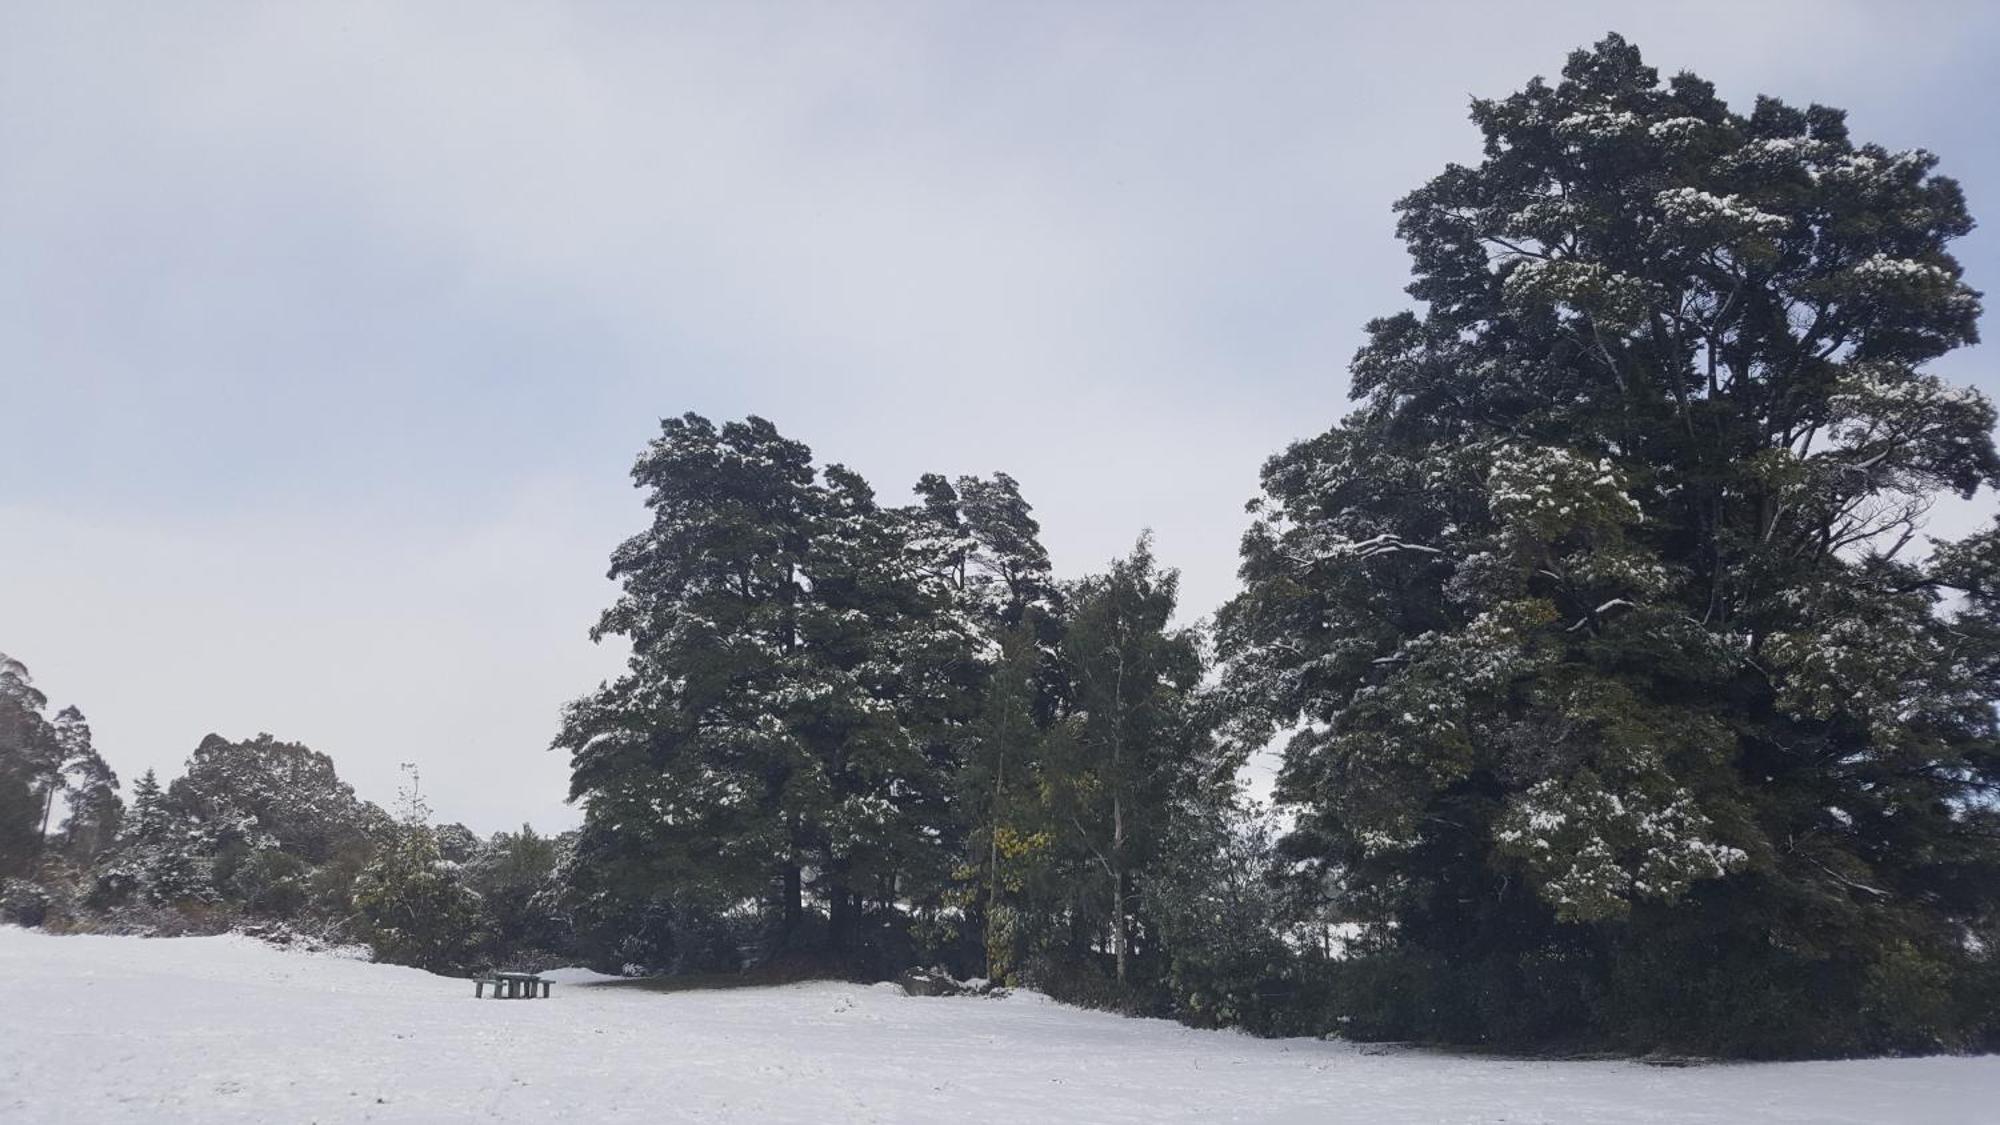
pixel 160 858
pixel 979 544
pixel 49 768
pixel 264 792
pixel 1082 791
pixel 90 791
pixel 280 832
pixel 785 726
pixel 1621 703
pixel 414 904
pixel 511 874
pixel 681 762
pixel 1133 740
pixel 28 758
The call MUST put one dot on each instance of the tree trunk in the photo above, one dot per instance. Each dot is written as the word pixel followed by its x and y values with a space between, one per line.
pixel 992 865
pixel 48 810
pixel 1120 938
pixel 839 915
pixel 1118 874
pixel 793 905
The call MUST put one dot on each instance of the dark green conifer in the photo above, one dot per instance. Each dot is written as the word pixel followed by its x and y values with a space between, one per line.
pixel 1620 702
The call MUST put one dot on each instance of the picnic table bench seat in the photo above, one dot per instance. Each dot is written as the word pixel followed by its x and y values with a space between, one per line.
pixel 511 986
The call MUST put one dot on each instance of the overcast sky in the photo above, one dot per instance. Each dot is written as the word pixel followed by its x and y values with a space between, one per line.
pixel 328 333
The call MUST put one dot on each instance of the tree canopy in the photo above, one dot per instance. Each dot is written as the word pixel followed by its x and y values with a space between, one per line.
pixel 1611 667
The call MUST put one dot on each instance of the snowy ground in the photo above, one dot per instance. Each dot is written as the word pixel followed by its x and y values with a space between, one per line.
pixel 108 1029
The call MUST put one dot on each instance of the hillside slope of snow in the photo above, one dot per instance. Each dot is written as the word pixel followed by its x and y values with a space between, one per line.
pixel 115 1029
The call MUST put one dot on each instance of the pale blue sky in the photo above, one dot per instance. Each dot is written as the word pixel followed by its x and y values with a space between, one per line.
pixel 327 332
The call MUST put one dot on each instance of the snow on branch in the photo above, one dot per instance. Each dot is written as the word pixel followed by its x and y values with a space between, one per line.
pixel 1383 544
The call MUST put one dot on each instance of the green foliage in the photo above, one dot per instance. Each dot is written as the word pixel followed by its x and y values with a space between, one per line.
pixel 46 766
pixel 95 812
pixel 618 922
pixel 1130 742
pixel 1616 711
pixel 160 858
pixel 414 905
pixel 257 829
pixel 1610 698
pixel 892 715
pixel 1239 949
pixel 272 882
pixel 511 874
pixel 23 902
pixel 29 761
pixel 1094 763
pixel 786 722
pixel 265 793
pixel 998 797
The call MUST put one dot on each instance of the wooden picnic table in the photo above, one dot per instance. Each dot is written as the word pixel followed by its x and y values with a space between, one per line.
pixel 511 986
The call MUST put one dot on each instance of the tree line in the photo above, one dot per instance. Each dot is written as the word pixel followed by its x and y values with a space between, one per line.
pixel 261 835
pixel 1623 697
pixel 858 736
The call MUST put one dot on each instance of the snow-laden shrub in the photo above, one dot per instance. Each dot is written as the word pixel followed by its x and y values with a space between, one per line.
pixel 415 908
pixel 23 903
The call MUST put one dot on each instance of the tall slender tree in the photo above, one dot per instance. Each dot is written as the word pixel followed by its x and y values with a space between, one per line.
pixel 684 766
pixel 49 766
pixel 90 789
pixel 27 747
pixel 1132 741
pixel 979 541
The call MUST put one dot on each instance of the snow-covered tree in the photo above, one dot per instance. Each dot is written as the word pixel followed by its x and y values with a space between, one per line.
pixel 160 856
pixel 511 874
pixel 1132 742
pixel 978 540
pixel 981 536
pixel 414 905
pixel 95 812
pixel 282 835
pixel 1240 946
pixel 57 795
pixel 286 794
pixel 1614 687
pixel 29 761
pixel 781 728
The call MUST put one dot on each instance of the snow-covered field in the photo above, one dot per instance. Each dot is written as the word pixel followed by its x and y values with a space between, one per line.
pixel 106 1029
